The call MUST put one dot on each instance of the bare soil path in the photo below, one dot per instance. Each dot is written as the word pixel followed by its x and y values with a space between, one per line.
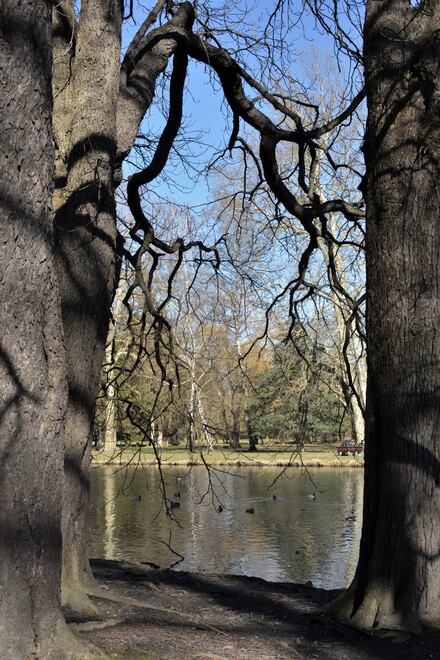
pixel 166 614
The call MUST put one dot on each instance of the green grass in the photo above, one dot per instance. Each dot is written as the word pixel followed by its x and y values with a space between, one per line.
pixel 312 456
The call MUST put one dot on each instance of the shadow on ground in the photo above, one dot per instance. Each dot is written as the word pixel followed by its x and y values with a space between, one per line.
pixel 169 614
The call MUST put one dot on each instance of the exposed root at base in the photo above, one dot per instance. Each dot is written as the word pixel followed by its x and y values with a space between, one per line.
pixel 76 598
pixel 115 597
pixel 65 645
pixel 374 615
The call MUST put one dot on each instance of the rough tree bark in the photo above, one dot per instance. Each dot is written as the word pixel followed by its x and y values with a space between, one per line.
pixel 98 106
pixel 397 584
pixel 33 385
pixel 85 237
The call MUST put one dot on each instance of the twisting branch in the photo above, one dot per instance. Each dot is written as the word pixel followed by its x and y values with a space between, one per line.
pixel 140 34
pixel 130 11
pixel 160 157
pixel 230 75
pixel 152 171
pixel 146 58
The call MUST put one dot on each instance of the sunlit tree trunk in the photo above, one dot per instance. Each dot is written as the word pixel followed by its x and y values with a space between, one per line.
pixel 236 417
pixel 354 374
pixel 359 375
pixel 208 436
pixel 112 354
pixel 109 431
pixel 159 437
pixel 192 406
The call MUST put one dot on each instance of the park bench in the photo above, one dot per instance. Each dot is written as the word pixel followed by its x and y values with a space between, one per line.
pixel 345 450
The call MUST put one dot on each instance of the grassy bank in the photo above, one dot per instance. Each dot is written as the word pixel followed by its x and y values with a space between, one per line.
pixel 279 455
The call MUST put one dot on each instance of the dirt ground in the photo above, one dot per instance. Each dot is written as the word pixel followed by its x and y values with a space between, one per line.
pixel 154 614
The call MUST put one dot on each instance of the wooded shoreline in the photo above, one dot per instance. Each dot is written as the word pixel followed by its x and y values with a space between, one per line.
pixel 312 456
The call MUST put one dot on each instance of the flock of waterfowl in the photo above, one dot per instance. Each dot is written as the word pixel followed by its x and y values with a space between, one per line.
pixel 175 504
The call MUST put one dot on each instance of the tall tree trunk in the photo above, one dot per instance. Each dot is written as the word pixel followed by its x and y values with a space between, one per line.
pixel 33 385
pixel 236 419
pixel 359 375
pixel 352 364
pixel 252 438
pixel 112 354
pixel 97 112
pixel 85 250
pixel 397 584
pixel 192 406
pixel 109 431
pixel 205 427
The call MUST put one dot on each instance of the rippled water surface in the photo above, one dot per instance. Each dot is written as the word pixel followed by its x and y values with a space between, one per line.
pixel 291 538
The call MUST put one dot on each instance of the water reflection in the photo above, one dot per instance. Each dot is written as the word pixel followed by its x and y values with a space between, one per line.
pixel 291 538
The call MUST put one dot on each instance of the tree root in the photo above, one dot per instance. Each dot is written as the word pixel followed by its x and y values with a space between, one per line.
pixel 65 645
pixel 376 613
pixel 75 596
pixel 115 597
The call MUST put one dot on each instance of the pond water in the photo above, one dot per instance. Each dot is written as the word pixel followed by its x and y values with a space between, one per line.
pixel 292 538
